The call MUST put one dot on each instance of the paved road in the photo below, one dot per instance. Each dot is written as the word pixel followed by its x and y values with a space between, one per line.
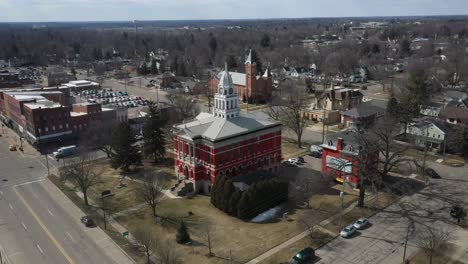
pixel 38 224
pixel 383 241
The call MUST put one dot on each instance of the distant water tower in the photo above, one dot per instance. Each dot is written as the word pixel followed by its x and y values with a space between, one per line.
pixel 135 23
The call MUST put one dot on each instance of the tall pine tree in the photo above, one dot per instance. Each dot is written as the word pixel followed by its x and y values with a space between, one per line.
pixel 154 135
pixel 124 153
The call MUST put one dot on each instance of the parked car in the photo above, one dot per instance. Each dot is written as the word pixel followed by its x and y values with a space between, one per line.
pixel 316 154
pixel 303 256
pixel 301 159
pixel 456 211
pixel 87 221
pixel 288 163
pixel 348 231
pixel 361 223
pixel 432 173
pixel 293 160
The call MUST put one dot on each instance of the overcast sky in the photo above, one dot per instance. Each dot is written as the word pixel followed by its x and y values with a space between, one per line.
pixel 98 10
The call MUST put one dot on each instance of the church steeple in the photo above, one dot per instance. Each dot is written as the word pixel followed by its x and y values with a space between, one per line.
pixel 226 100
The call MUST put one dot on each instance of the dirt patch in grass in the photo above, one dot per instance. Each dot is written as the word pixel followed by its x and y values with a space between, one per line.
pixel 289 149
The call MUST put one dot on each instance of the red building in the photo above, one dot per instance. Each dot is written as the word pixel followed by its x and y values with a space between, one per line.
pixel 249 86
pixel 225 142
pixel 340 157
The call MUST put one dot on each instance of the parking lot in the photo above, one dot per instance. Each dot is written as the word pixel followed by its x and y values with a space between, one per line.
pixel 108 97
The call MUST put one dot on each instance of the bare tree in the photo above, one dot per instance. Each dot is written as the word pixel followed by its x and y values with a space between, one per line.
pixel 83 173
pixel 381 136
pixel 289 109
pixel 96 136
pixel 301 190
pixel 147 239
pixel 431 239
pixel 167 253
pixel 151 191
pixel 208 238
pixel 184 104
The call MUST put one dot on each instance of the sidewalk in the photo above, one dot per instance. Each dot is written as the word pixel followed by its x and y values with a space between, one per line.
pixel 301 236
pixel 102 240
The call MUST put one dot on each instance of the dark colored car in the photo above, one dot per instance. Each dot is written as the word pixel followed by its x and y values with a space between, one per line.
pixel 303 256
pixel 432 173
pixel 301 159
pixel 87 221
pixel 456 211
pixel 316 154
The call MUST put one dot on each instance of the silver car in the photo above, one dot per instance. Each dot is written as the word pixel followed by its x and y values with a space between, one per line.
pixel 361 223
pixel 348 231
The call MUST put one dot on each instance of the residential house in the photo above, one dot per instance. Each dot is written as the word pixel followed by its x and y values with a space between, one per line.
pixel 362 116
pixel 430 109
pixel 429 133
pixel 339 98
pixel 455 115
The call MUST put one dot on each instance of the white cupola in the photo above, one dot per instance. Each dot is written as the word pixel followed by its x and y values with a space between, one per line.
pixel 226 102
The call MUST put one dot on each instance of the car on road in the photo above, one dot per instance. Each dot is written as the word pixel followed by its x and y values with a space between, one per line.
pixel 432 173
pixel 301 159
pixel 316 154
pixel 348 231
pixel 303 256
pixel 456 211
pixel 288 163
pixel 87 221
pixel 295 161
pixel 361 223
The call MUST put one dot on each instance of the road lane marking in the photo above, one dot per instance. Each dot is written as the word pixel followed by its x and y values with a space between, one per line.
pixel 40 249
pixel 24 226
pixel 52 238
pixel 11 206
pixel 1 193
pixel 50 212
pixel 29 182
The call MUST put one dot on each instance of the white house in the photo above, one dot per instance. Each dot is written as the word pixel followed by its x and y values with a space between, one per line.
pixel 428 133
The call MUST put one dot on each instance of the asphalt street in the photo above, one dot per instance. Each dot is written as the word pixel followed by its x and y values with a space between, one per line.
pixel 38 224
pixel 383 241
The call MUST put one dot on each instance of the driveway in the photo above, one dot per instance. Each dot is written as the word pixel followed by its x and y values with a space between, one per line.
pixel 383 241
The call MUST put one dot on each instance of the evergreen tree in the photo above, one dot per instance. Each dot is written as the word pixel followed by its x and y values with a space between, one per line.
pixel 265 41
pixel 243 208
pixel 143 69
pixel 233 202
pixel 227 192
pixel 393 108
pixel 418 86
pixel 256 60
pixel 219 191
pixel 181 69
pixel 154 135
pixel 213 44
pixel 216 189
pixel 231 62
pixel 182 236
pixel 123 154
pixel 154 68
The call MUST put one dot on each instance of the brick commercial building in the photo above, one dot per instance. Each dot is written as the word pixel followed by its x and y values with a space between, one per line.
pixel 340 157
pixel 249 86
pixel 225 142
pixel 40 116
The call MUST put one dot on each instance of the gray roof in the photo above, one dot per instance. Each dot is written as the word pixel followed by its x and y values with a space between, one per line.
pixel 363 110
pixel 213 128
pixel 237 77
pixel 350 139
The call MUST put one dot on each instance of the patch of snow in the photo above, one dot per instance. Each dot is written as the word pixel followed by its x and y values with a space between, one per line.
pixel 267 215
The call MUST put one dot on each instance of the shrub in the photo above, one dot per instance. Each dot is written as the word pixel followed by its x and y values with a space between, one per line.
pixel 182 236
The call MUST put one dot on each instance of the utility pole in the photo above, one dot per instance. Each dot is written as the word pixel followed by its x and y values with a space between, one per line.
pixel 406 243
pixel 323 125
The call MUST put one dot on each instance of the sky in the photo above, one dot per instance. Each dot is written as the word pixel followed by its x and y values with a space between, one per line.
pixel 124 10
